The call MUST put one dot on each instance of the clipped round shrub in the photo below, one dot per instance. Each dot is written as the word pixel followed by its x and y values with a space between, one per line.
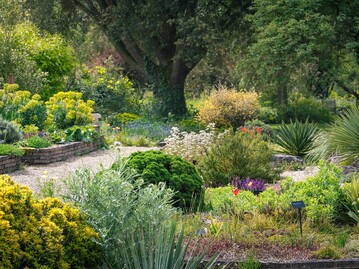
pixel 229 108
pixel 42 233
pixel 9 132
pixel 178 174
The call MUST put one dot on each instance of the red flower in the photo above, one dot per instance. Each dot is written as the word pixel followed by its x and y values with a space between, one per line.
pixel 243 130
pixel 235 192
pixel 258 130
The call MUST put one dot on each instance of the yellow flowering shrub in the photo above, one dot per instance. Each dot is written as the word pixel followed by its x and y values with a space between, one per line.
pixel 44 233
pixel 227 107
pixel 66 109
pixel 21 106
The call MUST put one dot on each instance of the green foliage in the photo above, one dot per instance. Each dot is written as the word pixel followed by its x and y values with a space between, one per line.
pixel 268 115
pixel 250 263
pixel 237 154
pixel 179 175
pixel 302 109
pixel 112 91
pixel 42 233
pixel 37 142
pixel 119 207
pixel 66 109
pixel 81 133
pixel 9 131
pixel 227 107
pixel 327 252
pixel 321 193
pixel 121 119
pixel 7 149
pixel 167 251
pixel 351 199
pixel 266 130
pixel 296 138
pixel 343 136
pixel 222 200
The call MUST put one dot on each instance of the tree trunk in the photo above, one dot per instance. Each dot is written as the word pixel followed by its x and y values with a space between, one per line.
pixel 168 87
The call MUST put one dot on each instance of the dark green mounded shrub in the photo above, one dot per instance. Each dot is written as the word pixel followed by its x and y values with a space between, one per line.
pixel 179 175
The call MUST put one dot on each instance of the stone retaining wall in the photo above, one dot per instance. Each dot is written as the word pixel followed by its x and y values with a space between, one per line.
pixel 58 152
pixel 9 164
pixel 47 155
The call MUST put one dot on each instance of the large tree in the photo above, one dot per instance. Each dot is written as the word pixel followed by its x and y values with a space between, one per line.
pixel 296 41
pixel 162 40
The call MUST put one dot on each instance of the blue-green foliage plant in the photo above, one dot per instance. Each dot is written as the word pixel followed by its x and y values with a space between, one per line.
pixel 119 206
pixel 178 174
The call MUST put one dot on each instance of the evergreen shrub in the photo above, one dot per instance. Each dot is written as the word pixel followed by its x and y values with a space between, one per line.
pixel 178 175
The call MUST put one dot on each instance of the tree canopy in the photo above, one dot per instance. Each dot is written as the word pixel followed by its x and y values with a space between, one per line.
pixel 162 41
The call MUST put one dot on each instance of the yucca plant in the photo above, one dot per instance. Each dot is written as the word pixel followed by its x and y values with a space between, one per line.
pixel 343 136
pixel 351 199
pixel 165 251
pixel 296 138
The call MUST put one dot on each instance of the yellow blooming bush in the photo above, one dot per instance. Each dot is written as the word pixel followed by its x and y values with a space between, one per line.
pixel 21 106
pixel 66 109
pixel 227 107
pixel 44 233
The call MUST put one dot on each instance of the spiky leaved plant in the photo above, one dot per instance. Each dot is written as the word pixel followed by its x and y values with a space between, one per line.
pixel 296 138
pixel 165 251
pixel 343 136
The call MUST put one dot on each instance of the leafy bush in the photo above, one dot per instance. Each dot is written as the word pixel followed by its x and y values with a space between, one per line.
pixel 351 199
pixel 42 233
pixel 9 132
pixel 189 146
pixel 243 154
pixel 266 130
pixel 122 118
pixel 38 142
pixel 301 108
pixel 296 138
pixel 178 175
pixel 229 108
pixel 7 149
pixel 66 109
pixel 268 115
pixel 81 133
pixel 118 207
pixel 321 193
pixel 112 91
pixel 223 200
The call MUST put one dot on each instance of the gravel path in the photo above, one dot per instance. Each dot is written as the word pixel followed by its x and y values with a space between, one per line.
pixel 29 175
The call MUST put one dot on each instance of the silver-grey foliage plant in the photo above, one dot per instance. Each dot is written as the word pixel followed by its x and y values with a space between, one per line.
pixel 118 206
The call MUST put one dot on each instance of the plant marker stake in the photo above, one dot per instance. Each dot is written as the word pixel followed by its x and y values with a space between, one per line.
pixel 299 205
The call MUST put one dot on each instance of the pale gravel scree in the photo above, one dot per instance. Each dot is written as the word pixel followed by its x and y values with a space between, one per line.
pixel 29 175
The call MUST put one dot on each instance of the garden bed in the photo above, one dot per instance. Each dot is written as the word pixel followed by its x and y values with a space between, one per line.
pixel 52 154
pixel 59 152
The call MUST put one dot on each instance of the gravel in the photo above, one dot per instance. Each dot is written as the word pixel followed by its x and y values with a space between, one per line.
pixel 29 175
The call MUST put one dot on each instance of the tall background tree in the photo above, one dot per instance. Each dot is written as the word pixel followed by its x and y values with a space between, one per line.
pixel 162 41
